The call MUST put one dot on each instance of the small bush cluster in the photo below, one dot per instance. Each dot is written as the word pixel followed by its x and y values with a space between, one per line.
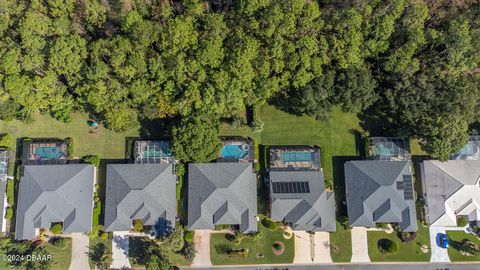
pixel 387 246
pixel 269 223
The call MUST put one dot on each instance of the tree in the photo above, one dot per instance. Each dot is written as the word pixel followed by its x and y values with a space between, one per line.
pixel 42 260
pixel 157 261
pixel 101 256
pixel 138 225
pixel 56 228
pixel 195 139
pixel 174 241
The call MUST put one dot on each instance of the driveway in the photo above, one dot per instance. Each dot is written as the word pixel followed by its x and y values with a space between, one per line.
pixel 80 246
pixel 303 247
pixel 120 244
pixel 202 247
pixel 322 248
pixel 439 254
pixel 359 245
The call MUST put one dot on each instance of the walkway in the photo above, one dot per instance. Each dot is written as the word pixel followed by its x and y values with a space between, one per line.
pixel 120 244
pixel 202 247
pixel 359 245
pixel 80 246
pixel 439 254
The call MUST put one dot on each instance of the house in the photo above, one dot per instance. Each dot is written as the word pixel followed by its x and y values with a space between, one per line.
pixel 145 192
pixel 451 189
pixel 297 189
pixel 55 193
pixel 221 194
pixel 380 191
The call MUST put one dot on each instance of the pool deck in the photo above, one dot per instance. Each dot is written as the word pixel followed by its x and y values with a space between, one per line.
pixel 278 163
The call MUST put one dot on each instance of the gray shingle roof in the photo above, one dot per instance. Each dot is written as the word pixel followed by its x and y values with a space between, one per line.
pixel 308 211
pixel 55 193
pixel 222 193
pixel 442 180
pixel 373 194
pixel 140 191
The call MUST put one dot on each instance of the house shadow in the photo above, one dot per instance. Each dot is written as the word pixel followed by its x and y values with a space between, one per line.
pixel 263 193
pixel 338 163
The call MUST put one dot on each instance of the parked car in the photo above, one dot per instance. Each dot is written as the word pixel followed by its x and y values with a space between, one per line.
pixel 442 240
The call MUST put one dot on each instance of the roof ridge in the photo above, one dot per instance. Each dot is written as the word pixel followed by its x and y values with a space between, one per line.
pixel 61 193
pixel 451 176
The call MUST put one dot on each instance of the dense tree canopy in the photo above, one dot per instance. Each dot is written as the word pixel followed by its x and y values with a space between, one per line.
pixel 416 62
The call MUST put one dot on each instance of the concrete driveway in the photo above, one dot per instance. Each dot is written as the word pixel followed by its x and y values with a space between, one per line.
pixel 439 254
pixel 359 245
pixel 120 247
pixel 202 247
pixel 322 248
pixel 80 246
pixel 303 247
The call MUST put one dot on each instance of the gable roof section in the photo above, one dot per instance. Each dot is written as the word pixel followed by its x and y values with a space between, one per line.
pixel 373 194
pixel 140 191
pixel 451 189
pixel 55 193
pixel 222 193
pixel 312 209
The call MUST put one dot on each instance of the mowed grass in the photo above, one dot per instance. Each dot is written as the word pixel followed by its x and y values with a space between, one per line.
pixel 341 245
pixel 61 256
pixel 106 143
pixel 335 136
pixel 407 252
pixel 259 251
pixel 455 239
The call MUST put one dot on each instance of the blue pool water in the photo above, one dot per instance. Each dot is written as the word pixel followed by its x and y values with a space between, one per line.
pixel 233 151
pixel 48 152
pixel 296 156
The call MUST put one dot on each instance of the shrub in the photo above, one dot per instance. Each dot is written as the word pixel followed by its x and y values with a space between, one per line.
pixel 188 251
pixel 462 221
pixel 277 246
pixel 269 223
pixel 9 213
pixel 92 159
pixel 407 236
pixel 257 126
pixel 104 235
pixel 387 246
pixel 56 228
pixel 58 242
pixel 381 225
pixel 138 225
pixel 345 223
pixel 469 248
pixel 179 169
pixel 70 144
pixel 220 227
pixel 189 236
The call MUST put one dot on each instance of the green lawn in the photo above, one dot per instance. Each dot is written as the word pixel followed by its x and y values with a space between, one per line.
pixel 408 252
pixel 341 245
pixel 61 256
pixel 106 143
pixel 96 240
pixel 259 251
pixel 455 238
pixel 335 136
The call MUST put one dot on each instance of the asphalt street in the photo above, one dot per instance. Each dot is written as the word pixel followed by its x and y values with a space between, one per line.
pixel 399 266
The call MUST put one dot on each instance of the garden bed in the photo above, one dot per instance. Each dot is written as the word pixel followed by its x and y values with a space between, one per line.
pixel 455 238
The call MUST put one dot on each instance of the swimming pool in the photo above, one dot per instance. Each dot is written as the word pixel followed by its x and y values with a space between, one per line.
pixel 235 151
pixel 297 156
pixel 159 150
pixel 48 152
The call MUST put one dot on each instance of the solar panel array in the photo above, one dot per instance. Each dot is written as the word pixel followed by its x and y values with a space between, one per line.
pixel 407 187
pixel 290 187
